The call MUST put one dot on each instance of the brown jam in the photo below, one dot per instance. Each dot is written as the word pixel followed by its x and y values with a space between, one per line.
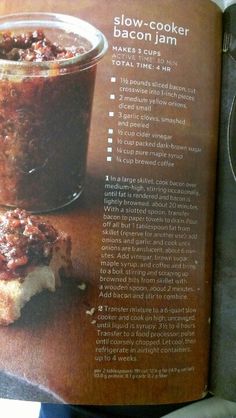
pixel 44 125
pixel 34 46
pixel 25 241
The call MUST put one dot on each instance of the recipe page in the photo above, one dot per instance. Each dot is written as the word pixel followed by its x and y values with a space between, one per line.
pixel 132 323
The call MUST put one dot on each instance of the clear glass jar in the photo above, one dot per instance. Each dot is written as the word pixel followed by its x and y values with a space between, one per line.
pixel 45 111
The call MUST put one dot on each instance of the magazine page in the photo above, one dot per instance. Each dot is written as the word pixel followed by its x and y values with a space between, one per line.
pixel 219 3
pixel 224 343
pixel 122 271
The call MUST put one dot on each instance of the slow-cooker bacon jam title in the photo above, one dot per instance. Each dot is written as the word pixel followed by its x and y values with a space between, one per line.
pixel 149 31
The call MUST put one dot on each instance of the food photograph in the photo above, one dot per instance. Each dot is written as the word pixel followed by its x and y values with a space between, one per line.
pixel 48 197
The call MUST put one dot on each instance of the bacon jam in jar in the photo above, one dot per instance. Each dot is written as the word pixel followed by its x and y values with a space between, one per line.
pixel 47 75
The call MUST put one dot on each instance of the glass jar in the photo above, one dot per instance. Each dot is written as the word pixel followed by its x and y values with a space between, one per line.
pixel 45 111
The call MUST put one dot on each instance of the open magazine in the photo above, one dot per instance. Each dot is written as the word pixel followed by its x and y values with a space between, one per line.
pixel 109 117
